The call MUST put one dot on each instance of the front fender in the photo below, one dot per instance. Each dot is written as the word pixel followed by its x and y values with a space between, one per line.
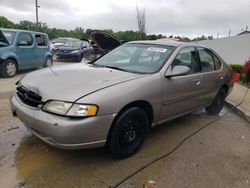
pixel 9 55
pixel 112 99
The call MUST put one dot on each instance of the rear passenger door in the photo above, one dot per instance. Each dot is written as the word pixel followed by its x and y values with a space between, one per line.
pixel 25 50
pixel 182 94
pixel 210 74
pixel 41 49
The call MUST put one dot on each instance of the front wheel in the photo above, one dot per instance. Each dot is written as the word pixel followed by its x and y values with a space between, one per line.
pixel 128 133
pixel 8 68
pixel 217 103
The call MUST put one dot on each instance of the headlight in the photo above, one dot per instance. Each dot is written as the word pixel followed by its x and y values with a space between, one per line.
pixel 82 110
pixel 75 51
pixel 70 109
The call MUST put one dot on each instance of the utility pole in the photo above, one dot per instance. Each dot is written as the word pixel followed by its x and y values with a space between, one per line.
pixel 37 6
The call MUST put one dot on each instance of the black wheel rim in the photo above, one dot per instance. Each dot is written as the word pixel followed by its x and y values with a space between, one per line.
pixel 130 133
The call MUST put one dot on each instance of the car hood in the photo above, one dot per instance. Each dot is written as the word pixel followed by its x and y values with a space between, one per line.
pixel 71 82
pixel 104 40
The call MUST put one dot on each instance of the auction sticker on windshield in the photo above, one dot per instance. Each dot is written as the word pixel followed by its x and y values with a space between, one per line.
pixel 154 49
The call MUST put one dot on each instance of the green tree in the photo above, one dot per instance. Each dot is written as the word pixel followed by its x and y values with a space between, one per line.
pixel 5 23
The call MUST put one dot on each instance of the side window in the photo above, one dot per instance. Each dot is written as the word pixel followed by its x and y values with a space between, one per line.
pixel 41 40
pixel 187 57
pixel 26 39
pixel 206 59
pixel 217 62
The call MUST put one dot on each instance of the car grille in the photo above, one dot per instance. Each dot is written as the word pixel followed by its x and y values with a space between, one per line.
pixel 65 51
pixel 28 97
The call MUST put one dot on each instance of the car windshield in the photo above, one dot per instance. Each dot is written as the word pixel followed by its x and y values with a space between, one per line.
pixel 73 44
pixel 60 40
pixel 139 58
pixel 9 35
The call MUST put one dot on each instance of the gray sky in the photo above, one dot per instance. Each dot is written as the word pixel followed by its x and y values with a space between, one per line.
pixel 178 17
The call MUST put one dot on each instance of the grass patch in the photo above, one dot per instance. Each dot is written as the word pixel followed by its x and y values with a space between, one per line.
pixel 244 84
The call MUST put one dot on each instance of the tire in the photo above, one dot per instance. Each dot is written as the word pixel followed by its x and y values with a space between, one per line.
pixel 128 133
pixel 217 103
pixel 48 62
pixel 8 68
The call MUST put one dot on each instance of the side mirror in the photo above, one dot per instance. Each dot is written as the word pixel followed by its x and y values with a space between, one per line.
pixel 178 70
pixel 22 43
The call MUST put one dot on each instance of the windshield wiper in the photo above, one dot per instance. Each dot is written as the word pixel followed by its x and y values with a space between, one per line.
pixel 116 68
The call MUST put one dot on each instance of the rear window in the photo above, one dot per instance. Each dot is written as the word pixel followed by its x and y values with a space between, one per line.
pixel 41 40
pixel 206 59
pixel 217 62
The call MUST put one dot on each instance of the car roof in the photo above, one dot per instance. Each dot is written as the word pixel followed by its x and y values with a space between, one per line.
pixel 18 30
pixel 167 42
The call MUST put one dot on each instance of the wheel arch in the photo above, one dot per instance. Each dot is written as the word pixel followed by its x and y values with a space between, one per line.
pixel 225 86
pixel 13 59
pixel 142 104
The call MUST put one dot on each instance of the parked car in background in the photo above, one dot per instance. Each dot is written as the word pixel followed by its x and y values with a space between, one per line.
pixel 59 42
pixel 101 43
pixel 52 49
pixel 76 49
pixel 116 99
pixel 20 50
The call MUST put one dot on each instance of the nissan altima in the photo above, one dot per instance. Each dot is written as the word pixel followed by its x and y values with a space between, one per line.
pixel 116 99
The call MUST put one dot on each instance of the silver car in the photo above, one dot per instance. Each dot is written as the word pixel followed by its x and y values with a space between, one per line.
pixel 114 100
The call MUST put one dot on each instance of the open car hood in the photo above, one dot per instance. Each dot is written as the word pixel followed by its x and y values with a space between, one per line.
pixel 104 40
pixel 3 40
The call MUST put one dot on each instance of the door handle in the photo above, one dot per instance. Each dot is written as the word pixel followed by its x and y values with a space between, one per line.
pixel 197 81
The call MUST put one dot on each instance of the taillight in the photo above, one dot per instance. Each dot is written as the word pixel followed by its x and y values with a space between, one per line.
pixel 235 77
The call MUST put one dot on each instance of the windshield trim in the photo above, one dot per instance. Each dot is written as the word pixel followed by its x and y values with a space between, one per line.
pixel 158 45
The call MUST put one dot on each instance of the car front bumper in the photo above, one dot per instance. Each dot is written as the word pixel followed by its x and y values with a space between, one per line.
pixel 68 55
pixel 63 132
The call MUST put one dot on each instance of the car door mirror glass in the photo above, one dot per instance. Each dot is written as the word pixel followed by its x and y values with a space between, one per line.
pixel 178 70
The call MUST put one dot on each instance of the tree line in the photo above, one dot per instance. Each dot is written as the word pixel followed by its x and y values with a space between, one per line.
pixel 80 32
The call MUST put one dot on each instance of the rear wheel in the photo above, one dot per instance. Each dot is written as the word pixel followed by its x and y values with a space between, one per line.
pixel 128 133
pixel 48 62
pixel 8 68
pixel 218 102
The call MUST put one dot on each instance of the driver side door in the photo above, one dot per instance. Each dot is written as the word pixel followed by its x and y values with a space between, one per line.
pixel 182 94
